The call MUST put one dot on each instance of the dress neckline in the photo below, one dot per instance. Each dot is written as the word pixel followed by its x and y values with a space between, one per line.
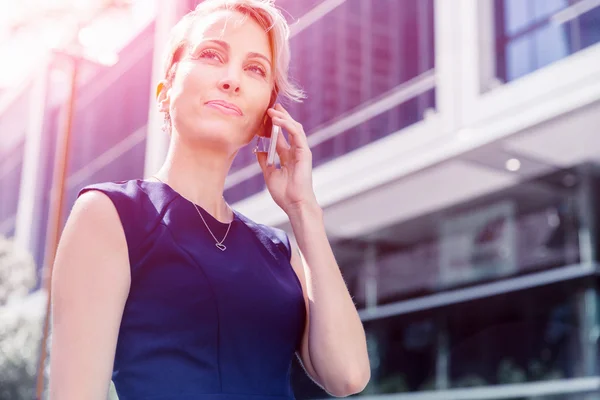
pixel 204 212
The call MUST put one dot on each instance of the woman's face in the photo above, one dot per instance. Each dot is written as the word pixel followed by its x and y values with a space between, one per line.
pixel 223 84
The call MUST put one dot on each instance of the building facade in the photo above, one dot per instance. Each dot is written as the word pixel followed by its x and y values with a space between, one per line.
pixel 456 156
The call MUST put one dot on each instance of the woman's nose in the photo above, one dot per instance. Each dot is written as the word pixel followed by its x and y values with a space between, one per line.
pixel 230 82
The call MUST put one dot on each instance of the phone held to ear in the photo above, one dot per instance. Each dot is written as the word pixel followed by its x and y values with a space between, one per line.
pixel 269 144
pixel 272 146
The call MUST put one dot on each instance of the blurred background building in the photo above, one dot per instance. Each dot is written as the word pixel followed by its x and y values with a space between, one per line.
pixel 456 154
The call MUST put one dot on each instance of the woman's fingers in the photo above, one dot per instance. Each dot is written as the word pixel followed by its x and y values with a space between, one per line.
pixel 283 148
pixel 282 118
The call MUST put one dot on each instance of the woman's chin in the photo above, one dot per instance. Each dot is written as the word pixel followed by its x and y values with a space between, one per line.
pixel 219 137
pixel 217 132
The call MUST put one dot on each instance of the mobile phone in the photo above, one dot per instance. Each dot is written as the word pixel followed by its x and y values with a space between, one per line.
pixel 268 144
pixel 273 145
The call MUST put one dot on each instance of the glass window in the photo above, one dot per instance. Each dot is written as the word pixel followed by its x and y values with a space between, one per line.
pixel 596 192
pixel 519 57
pixel 303 386
pixel 562 395
pixel 128 165
pixel 517 337
pixel 11 167
pixel 530 227
pixel 11 231
pixel 545 8
pixel 524 336
pixel 13 127
pixel 403 353
pixel 14 120
pixel 530 36
pixel 351 256
pixel 565 396
pixel 516 15
pixel 101 121
pixel 245 189
pixel 589 24
pixel 551 44
pixel 530 335
pixel 397 277
pixel 381 125
pixel 357 52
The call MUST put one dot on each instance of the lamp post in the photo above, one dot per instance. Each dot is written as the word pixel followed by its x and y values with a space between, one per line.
pixel 56 212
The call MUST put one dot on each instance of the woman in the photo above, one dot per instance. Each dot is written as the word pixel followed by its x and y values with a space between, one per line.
pixel 161 286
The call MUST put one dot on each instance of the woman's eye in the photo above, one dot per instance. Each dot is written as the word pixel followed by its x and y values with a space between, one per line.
pixel 258 70
pixel 210 54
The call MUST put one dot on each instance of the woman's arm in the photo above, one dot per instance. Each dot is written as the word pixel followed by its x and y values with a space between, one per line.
pixel 334 348
pixel 90 284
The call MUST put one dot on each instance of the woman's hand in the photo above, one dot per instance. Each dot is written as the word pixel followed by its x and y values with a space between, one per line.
pixel 291 185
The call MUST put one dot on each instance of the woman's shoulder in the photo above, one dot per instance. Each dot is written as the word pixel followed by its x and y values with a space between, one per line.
pixel 140 205
pixel 133 191
pixel 136 200
pixel 129 187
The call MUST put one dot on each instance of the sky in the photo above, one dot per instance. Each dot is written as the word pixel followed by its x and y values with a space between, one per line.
pixel 30 29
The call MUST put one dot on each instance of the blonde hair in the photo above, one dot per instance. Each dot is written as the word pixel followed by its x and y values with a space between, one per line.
pixel 265 14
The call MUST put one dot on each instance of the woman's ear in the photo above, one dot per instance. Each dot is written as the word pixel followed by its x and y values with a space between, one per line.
pixel 273 98
pixel 266 126
pixel 162 96
pixel 267 123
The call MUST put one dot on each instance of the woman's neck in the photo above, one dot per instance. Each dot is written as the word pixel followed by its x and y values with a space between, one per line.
pixel 199 176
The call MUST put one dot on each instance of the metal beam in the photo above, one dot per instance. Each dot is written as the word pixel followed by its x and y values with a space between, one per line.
pixel 480 291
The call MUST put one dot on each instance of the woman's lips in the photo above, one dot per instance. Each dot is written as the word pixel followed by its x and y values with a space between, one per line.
pixel 227 108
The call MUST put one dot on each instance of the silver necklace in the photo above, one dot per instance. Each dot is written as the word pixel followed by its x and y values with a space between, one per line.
pixel 218 244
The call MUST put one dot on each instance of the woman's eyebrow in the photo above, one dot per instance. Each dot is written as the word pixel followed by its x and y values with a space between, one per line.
pixel 258 55
pixel 221 43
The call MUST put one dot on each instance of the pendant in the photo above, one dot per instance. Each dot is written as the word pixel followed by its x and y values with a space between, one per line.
pixel 220 246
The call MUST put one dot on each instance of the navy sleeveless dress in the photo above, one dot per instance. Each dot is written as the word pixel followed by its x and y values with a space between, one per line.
pixel 200 323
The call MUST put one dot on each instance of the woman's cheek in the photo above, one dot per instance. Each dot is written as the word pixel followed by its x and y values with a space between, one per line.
pixel 193 79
